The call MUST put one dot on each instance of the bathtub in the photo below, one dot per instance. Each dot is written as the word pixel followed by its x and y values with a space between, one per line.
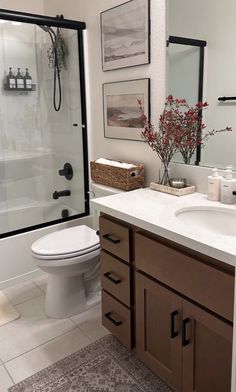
pixel 16 262
pixel 26 214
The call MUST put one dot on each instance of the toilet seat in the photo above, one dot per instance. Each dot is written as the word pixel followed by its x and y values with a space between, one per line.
pixel 44 261
pixel 66 244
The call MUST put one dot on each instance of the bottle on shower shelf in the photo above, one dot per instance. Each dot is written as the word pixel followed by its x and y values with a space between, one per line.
pixel 19 80
pixel 27 80
pixel 11 79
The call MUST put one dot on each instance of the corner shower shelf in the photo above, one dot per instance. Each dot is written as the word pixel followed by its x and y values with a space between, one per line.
pixel 7 88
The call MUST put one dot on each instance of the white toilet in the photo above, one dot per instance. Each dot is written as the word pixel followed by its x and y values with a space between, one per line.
pixel 71 258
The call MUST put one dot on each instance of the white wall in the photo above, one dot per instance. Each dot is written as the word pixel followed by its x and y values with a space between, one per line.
pixel 31 6
pixel 99 146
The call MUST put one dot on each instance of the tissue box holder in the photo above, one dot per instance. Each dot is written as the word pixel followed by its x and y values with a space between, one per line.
pixel 116 177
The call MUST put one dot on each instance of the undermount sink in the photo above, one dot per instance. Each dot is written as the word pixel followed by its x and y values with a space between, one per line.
pixel 214 219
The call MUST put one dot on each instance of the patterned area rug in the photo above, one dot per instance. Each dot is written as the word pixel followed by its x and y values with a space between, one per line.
pixel 103 366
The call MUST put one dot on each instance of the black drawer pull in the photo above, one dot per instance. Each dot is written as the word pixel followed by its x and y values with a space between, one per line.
pixel 116 323
pixel 173 332
pixel 109 238
pixel 185 341
pixel 108 276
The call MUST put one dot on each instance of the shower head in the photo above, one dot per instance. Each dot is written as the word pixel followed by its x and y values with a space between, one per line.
pixel 47 29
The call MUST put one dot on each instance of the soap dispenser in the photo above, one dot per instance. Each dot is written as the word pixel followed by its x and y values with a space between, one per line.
pixel 19 79
pixel 27 80
pixel 228 186
pixel 214 185
pixel 11 80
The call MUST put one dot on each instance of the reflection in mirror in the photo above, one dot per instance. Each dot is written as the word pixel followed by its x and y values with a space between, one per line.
pixel 201 64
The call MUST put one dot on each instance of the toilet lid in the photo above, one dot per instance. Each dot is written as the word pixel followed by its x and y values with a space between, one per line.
pixel 73 241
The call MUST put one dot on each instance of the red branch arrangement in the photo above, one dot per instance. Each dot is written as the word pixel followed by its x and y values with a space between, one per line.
pixel 180 129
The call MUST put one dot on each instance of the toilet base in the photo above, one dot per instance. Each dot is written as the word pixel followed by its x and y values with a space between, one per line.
pixel 65 296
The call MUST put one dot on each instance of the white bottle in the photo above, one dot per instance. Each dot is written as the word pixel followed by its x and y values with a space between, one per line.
pixel 228 185
pixel 214 185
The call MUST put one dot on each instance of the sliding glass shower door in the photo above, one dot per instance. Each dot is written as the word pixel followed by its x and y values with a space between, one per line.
pixel 43 145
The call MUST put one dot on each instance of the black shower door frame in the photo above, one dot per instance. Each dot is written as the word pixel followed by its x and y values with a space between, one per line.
pixel 60 22
pixel 201 45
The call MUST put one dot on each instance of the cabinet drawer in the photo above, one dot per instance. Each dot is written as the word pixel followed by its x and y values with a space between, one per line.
pixel 115 238
pixel 115 278
pixel 117 319
pixel 200 282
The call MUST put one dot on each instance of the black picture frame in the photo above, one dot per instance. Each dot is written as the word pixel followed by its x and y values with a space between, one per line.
pixel 117 95
pixel 116 57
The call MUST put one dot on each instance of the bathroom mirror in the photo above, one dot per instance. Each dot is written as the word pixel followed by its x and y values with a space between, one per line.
pixel 201 65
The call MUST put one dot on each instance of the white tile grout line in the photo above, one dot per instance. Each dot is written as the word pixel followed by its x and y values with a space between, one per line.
pixel 28 299
pixel 9 374
pixel 77 325
pixel 22 302
pixel 73 322
pixel 85 333
pixel 43 344
pixel 38 287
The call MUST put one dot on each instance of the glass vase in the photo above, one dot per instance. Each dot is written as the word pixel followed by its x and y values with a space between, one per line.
pixel 164 175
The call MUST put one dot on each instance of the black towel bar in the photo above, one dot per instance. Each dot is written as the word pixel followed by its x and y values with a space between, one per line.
pixel 223 99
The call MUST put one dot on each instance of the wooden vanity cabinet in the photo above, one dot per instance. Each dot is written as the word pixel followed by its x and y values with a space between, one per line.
pixel 158 329
pixel 206 350
pixel 185 345
pixel 116 279
pixel 189 303
pixel 173 304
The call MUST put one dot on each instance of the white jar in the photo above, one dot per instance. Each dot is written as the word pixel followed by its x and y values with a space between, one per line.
pixel 228 185
pixel 214 186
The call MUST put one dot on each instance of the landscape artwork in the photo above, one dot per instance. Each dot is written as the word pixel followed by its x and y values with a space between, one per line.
pixel 122 115
pixel 123 110
pixel 125 35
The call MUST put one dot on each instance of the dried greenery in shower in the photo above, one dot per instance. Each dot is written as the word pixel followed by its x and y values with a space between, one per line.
pixel 59 48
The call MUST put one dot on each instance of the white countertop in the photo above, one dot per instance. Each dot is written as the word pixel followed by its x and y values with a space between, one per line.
pixel 155 212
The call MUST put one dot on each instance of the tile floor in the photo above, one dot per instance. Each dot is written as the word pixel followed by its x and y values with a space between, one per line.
pixel 35 341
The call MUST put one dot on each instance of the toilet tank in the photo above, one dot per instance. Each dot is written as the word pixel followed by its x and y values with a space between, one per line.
pixel 98 190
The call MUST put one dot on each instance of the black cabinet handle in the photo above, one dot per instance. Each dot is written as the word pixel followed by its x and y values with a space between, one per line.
pixel 116 323
pixel 109 238
pixel 173 332
pixel 108 276
pixel 185 341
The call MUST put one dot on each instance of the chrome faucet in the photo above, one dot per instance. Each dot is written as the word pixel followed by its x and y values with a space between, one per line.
pixel 57 194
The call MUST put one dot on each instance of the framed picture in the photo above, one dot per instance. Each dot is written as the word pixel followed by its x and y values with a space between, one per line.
pixel 122 115
pixel 125 33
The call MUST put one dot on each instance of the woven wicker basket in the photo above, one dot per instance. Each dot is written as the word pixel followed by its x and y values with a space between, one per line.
pixel 125 179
